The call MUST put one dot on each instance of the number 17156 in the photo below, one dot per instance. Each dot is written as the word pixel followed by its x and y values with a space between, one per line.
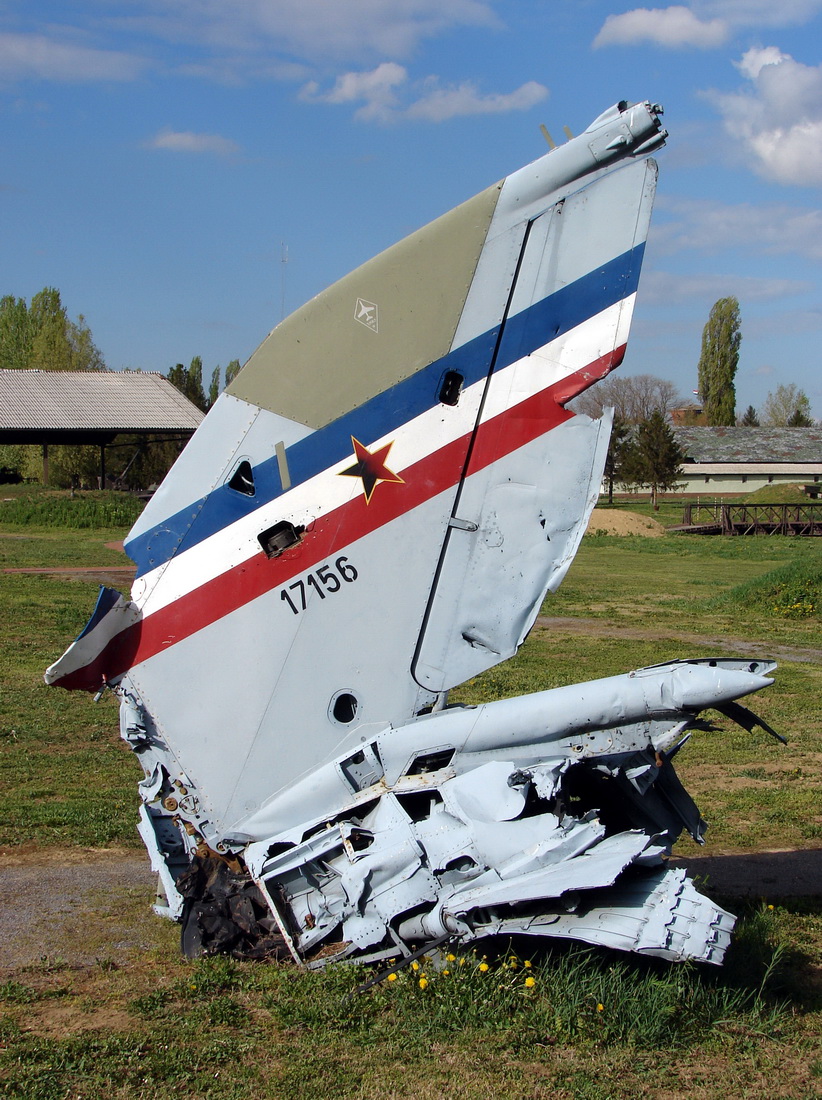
pixel 326 578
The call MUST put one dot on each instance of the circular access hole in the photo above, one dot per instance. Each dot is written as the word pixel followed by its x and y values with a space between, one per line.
pixel 344 707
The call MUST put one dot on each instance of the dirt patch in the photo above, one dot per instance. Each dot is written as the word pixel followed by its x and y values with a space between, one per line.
pixel 77 906
pixel 724 644
pixel 605 521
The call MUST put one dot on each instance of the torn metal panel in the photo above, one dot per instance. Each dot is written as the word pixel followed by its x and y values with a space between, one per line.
pixel 337 548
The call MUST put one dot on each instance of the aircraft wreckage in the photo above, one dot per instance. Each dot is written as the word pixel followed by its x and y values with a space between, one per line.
pixel 372 513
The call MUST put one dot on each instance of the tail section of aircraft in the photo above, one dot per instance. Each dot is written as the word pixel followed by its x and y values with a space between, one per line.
pixel 373 512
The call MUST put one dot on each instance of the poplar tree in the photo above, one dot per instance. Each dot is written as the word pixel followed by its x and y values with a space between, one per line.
pixel 721 338
pixel 41 336
pixel 189 381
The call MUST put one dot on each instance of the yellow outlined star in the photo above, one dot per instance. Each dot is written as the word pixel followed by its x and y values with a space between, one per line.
pixel 371 468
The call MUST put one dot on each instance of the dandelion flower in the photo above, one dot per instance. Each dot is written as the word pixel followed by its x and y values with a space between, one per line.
pixel 600 1008
pixel 415 966
pixel 450 958
pixel 484 967
pixel 513 964
pixel 462 962
pixel 527 964
pixel 423 982
pixel 445 973
pixel 770 907
pixel 392 977
pixel 530 982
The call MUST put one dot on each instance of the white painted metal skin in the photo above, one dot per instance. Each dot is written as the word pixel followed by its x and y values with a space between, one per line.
pixel 309 589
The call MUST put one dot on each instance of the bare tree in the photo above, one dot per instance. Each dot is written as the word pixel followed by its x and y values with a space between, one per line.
pixel 634 398
pixel 787 406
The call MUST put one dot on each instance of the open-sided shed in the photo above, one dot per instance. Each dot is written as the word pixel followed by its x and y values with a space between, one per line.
pixel 90 407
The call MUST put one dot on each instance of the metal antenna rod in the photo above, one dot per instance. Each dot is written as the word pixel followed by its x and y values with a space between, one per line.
pixel 283 262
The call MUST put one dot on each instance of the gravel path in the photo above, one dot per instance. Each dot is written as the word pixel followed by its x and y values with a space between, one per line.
pixel 77 907
pixel 82 907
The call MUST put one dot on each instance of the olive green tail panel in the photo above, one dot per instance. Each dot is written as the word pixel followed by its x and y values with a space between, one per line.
pixel 375 327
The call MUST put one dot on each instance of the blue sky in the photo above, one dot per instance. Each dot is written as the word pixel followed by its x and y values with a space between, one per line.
pixel 159 159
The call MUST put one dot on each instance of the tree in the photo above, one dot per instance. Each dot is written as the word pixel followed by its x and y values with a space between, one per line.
pixel 231 371
pixel 15 333
pixel 42 337
pixel 749 418
pixel 633 397
pixel 617 451
pixel 787 406
pixel 800 419
pixel 50 347
pixel 214 387
pixel 717 363
pixel 189 381
pixel 653 459
pixel 85 355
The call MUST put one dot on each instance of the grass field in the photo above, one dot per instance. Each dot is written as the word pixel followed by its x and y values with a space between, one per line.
pixel 590 1026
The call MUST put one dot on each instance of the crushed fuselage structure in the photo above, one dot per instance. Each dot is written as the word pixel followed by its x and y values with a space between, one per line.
pixel 372 513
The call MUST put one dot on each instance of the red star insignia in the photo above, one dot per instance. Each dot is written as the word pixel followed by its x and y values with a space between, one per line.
pixel 370 467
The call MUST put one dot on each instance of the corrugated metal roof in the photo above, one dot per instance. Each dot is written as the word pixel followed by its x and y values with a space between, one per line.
pixel 750 444
pixel 123 401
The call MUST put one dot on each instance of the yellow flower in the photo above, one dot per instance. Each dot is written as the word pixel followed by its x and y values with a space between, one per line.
pixel 530 982
pixel 770 907
pixel 392 977
pixel 415 966
pixel 445 973
pixel 423 982
pixel 462 962
pixel 600 1008
pixel 450 958
pixel 527 964
pixel 483 967
pixel 513 964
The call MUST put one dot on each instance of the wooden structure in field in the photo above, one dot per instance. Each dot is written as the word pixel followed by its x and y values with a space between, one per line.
pixel 752 519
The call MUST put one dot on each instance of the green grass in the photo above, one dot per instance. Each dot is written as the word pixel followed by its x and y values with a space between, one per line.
pixel 507 1023
pixel 38 506
pixel 791 591
pixel 154 1025
pixel 65 777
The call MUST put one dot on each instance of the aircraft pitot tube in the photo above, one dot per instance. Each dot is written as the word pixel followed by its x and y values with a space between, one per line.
pixel 373 512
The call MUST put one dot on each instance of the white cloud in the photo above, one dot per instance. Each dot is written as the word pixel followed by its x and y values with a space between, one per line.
pixel 439 104
pixel 662 287
pixel 675 27
pixel 754 61
pixel 384 93
pixel 702 24
pixel 375 90
pixel 312 28
pixel 778 120
pixel 759 13
pixel 185 141
pixel 771 229
pixel 37 56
